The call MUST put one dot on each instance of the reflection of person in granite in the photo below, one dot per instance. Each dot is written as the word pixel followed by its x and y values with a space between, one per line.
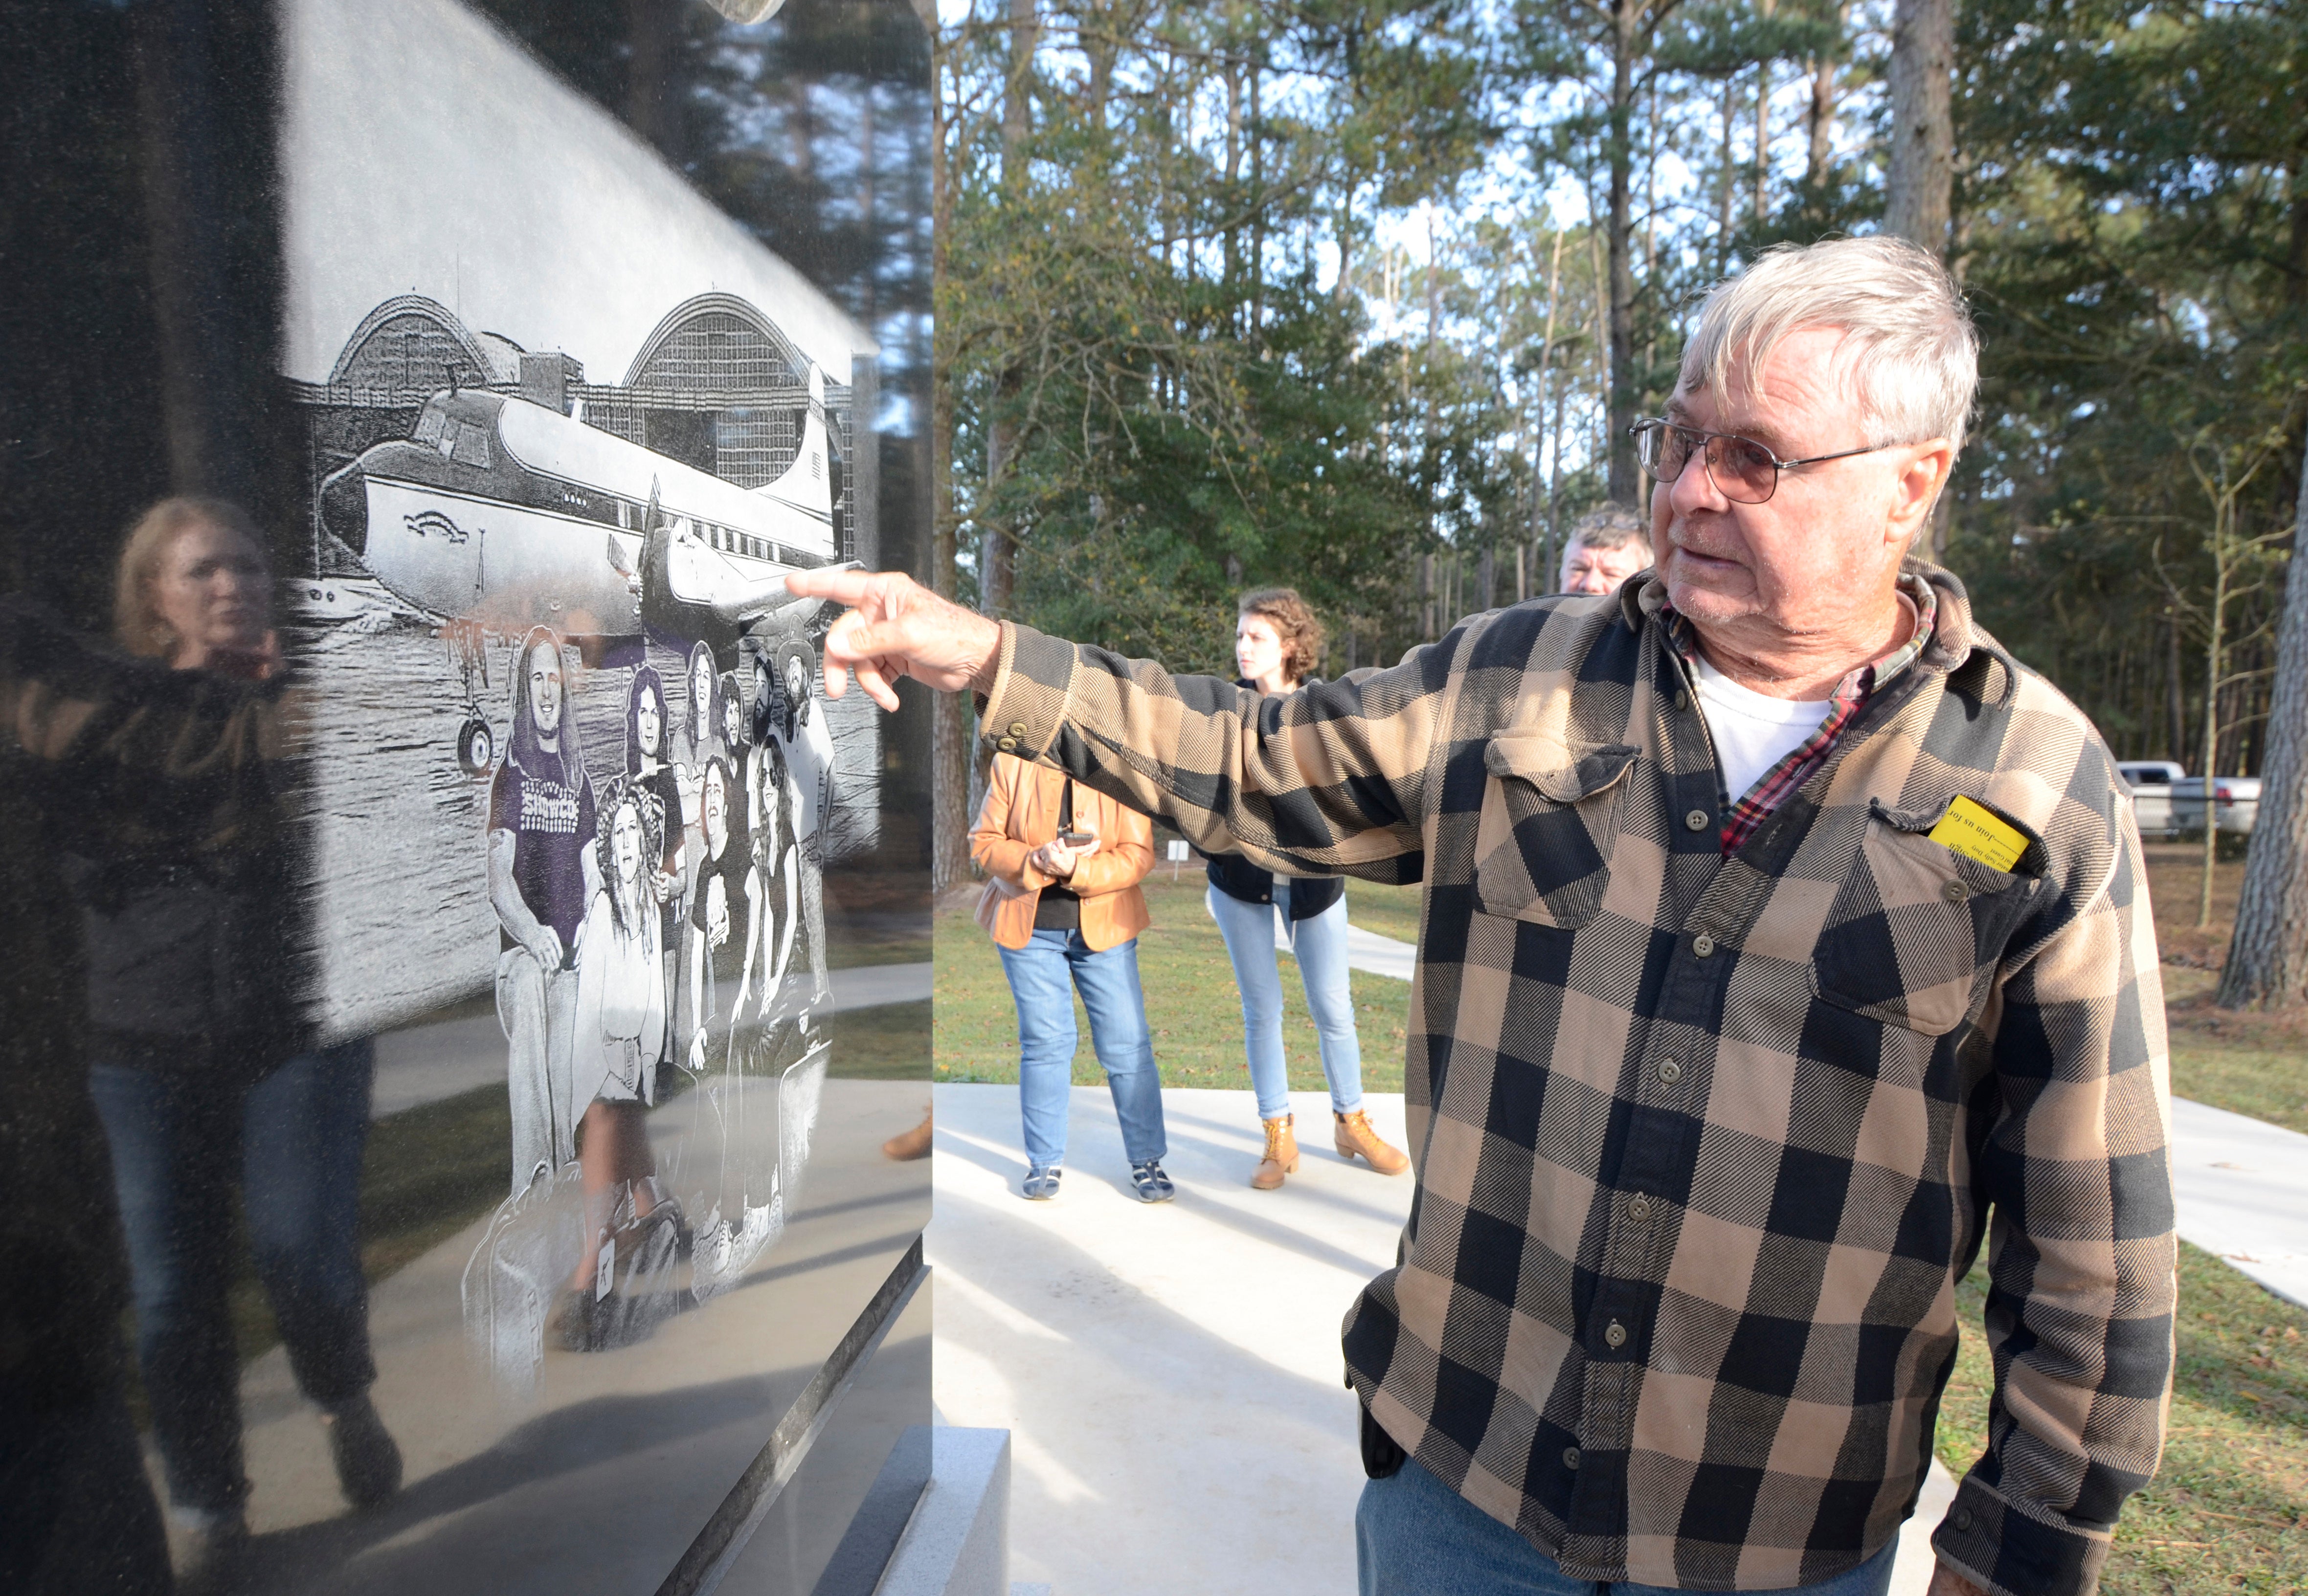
pixel 543 871
pixel 76 1514
pixel 199 1074
pixel 619 1038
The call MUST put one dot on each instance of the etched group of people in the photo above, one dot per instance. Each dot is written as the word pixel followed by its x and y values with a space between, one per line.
pixel 620 910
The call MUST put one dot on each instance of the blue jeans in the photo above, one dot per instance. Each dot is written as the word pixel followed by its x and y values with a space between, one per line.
pixel 1320 943
pixel 1044 976
pixel 1414 1536
pixel 293 1143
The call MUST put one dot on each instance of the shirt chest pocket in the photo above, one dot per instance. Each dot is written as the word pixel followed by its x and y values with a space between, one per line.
pixel 1914 924
pixel 1550 822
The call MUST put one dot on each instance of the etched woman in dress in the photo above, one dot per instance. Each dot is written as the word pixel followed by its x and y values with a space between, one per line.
pixel 649 766
pixel 772 884
pixel 717 900
pixel 619 1037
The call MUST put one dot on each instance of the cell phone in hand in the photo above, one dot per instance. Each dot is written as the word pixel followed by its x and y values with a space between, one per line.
pixel 1077 840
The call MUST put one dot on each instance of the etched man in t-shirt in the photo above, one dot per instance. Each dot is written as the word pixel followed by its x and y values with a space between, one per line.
pixel 542 874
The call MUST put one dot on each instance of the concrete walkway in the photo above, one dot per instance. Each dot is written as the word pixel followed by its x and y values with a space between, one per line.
pixel 2240 1188
pixel 1171 1375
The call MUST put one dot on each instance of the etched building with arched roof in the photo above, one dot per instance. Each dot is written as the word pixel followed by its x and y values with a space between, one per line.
pixel 717 385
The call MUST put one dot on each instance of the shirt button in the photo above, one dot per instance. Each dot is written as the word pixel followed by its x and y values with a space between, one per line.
pixel 1669 1071
pixel 1008 745
pixel 1681 698
pixel 1963 1518
pixel 1703 945
pixel 1639 1208
pixel 1955 892
pixel 1616 1336
pixel 1696 819
pixel 1017 728
pixel 1570 1457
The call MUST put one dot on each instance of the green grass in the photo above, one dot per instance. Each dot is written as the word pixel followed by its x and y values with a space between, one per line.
pixel 2228 1510
pixel 889 1042
pixel 2266 1084
pixel 1390 910
pixel 1192 1003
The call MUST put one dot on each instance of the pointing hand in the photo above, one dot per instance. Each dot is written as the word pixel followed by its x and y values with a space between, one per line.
pixel 894 628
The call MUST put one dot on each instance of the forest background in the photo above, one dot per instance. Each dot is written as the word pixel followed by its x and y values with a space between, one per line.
pixel 1361 296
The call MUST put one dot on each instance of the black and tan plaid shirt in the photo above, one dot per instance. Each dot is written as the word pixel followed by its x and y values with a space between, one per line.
pixel 1705 1142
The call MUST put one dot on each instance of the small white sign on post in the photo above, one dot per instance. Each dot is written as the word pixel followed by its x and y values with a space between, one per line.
pixel 1178 853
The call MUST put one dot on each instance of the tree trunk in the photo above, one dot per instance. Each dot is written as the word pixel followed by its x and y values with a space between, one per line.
pixel 2212 649
pixel 1620 481
pixel 1921 175
pixel 1822 117
pixel 1763 136
pixel 998 549
pixel 1730 165
pixel 2176 701
pixel 949 727
pixel 1538 420
pixel 2268 955
pixel 652 38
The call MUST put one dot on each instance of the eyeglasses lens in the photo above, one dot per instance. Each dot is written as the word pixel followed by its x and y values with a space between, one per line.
pixel 1744 471
pixel 1663 450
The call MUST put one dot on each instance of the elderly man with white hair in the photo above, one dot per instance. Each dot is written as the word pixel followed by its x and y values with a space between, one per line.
pixel 1784 940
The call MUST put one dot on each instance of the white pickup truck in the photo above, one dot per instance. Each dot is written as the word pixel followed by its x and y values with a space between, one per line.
pixel 2151 782
pixel 2170 803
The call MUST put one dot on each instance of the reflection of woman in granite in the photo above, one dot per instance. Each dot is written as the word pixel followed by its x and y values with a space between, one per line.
pixel 544 869
pixel 211 1102
pixel 619 1037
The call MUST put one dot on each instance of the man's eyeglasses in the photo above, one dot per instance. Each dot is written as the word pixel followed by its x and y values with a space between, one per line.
pixel 1742 470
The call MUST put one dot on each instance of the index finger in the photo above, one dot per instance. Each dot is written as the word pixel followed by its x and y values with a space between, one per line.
pixel 843 586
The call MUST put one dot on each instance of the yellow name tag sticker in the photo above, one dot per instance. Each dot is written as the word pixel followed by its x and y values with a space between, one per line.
pixel 1972 830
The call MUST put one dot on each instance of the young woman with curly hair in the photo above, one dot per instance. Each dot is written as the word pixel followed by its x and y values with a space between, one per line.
pixel 1277 644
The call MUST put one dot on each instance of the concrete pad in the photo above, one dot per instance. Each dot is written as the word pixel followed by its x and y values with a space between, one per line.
pixel 1171 1375
pixel 1368 952
pixel 2241 1190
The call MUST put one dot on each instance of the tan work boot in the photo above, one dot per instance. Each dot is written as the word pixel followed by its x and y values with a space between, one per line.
pixel 1356 1136
pixel 1281 1155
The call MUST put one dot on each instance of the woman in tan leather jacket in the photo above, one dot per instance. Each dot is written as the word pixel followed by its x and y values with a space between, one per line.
pixel 1063 907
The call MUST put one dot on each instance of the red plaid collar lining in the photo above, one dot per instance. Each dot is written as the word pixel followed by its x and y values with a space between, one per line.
pixel 1845 702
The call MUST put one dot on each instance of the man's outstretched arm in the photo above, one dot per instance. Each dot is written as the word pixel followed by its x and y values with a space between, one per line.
pixel 1324 780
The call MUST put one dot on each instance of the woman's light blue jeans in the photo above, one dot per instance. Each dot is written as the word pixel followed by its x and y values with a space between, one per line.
pixel 1320 943
pixel 1414 1536
pixel 1044 976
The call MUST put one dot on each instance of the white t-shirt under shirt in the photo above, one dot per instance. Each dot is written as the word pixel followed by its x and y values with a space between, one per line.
pixel 1753 732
